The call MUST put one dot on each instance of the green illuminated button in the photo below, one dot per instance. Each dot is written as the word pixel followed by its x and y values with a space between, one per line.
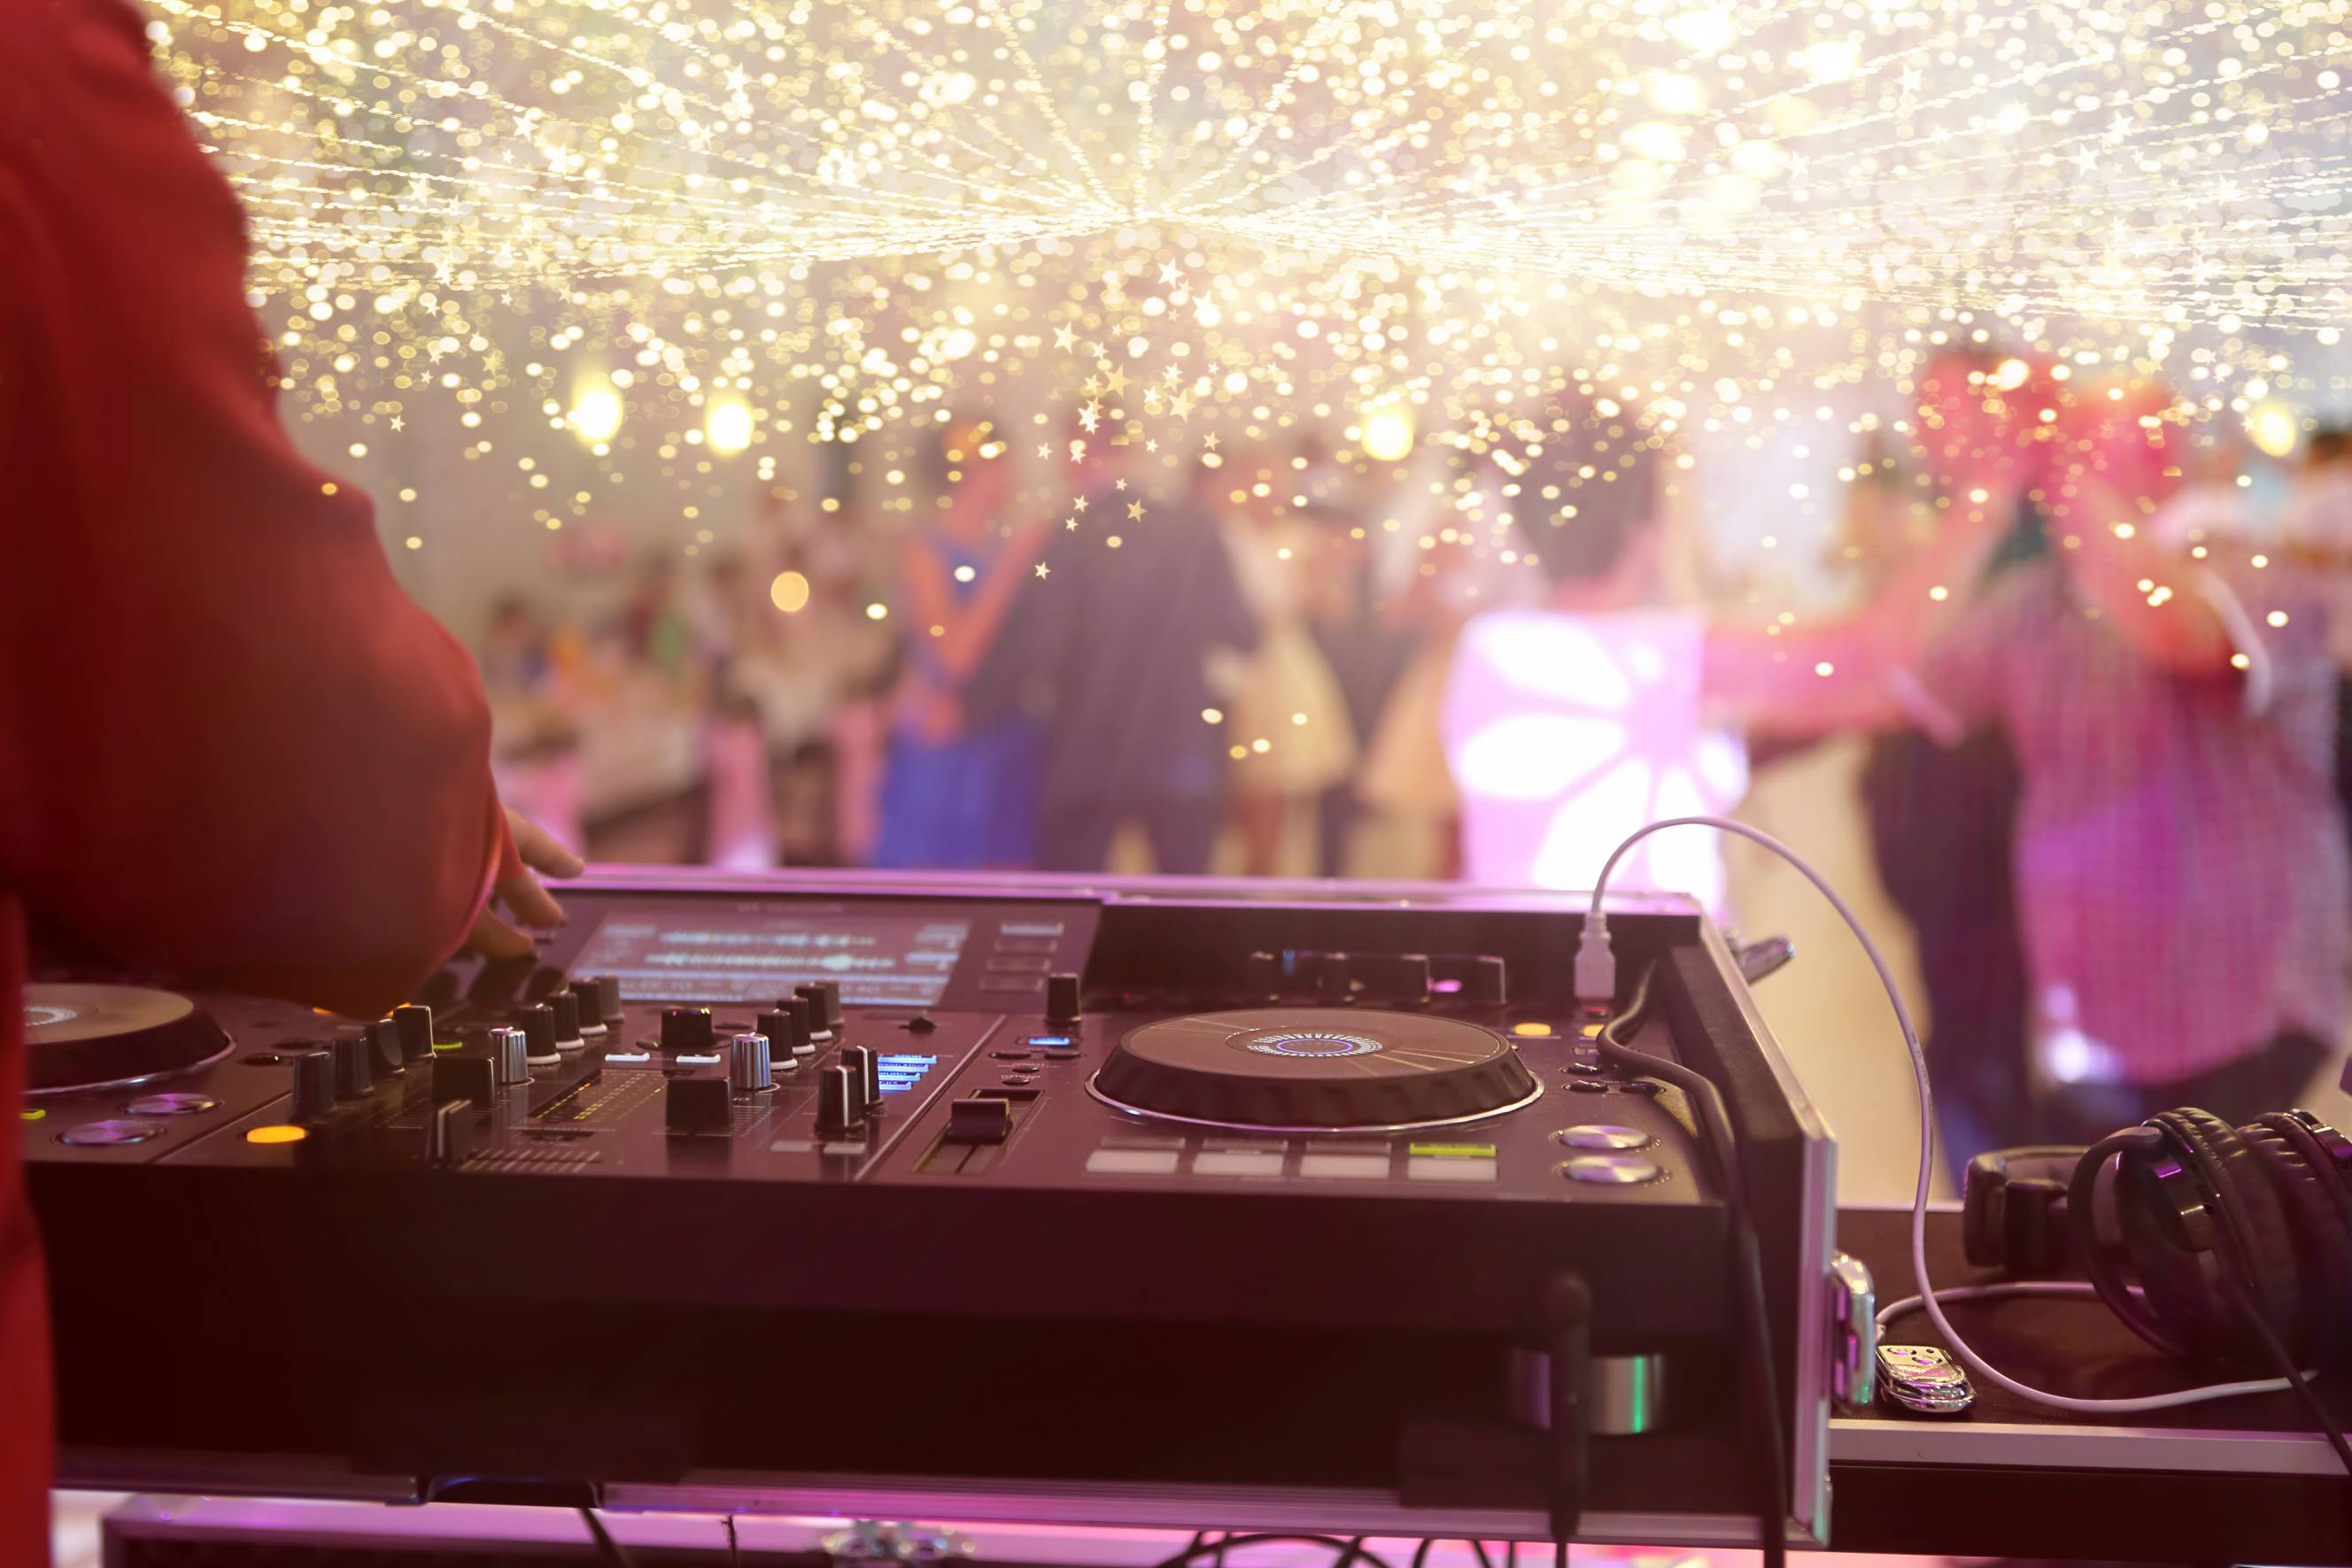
pixel 1451 1150
pixel 34 1114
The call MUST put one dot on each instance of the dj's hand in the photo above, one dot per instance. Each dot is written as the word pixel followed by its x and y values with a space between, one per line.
pixel 521 894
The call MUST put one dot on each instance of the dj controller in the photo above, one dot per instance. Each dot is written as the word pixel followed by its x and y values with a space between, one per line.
pixel 1163 1202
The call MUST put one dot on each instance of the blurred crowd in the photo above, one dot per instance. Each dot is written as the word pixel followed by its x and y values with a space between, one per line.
pixel 2097 652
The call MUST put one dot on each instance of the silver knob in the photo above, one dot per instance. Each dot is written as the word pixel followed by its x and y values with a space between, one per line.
pixel 511 1056
pixel 746 1064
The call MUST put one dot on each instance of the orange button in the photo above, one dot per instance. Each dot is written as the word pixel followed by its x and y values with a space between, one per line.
pixel 277 1132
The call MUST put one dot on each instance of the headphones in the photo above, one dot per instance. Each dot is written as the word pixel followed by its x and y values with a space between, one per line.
pixel 2184 1224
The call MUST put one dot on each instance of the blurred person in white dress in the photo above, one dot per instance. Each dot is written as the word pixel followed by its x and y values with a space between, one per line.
pixel 1287 709
pixel 1569 725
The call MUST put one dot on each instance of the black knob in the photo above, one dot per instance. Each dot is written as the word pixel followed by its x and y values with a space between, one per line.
pixel 314 1087
pixel 386 1055
pixel 353 1077
pixel 838 1107
pixel 867 1064
pixel 1335 980
pixel 449 1134
pixel 1062 998
pixel 604 1002
pixel 1261 978
pixel 415 1023
pixel 470 1078
pixel 538 1024
pixel 565 1006
pixel 823 998
pixel 1408 978
pixel 1488 984
pixel 787 1028
pixel 699 1105
pixel 686 1029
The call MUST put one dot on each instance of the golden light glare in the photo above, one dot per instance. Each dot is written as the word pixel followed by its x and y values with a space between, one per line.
pixel 789 592
pixel 597 416
pixel 2273 429
pixel 1388 435
pixel 728 426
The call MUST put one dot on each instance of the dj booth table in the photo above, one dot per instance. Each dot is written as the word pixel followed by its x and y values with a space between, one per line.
pixel 2240 1481
pixel 2234 1482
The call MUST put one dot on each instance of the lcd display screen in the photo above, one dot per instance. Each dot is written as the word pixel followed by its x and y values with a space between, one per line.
pixel 885 958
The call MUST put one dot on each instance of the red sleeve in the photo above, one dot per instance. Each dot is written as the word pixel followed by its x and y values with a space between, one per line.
pixel 230 745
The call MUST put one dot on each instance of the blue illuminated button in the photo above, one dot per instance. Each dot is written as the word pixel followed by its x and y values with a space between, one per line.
pixel 1050 1041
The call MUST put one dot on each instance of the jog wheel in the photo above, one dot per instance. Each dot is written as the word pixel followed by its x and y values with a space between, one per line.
pixel 99 1037
pixel 1315 1071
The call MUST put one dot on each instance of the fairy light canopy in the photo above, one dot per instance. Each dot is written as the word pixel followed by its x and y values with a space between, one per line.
pixel 701 230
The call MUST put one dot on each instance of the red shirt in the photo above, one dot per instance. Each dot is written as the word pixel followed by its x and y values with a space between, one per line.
pixel 230 747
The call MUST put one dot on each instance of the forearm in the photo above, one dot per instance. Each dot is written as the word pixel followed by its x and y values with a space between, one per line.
pixel 1801 683
pixel 2150 597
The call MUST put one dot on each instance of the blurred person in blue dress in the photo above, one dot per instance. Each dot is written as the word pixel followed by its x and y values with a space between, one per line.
pixel 959 785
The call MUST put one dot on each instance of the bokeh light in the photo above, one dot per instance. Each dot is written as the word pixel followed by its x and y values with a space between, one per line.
pixel 790 592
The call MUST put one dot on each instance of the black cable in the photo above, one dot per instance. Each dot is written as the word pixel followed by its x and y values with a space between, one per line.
pixel 1559 1554
pixel 1480 1547
pixel 2277 1351
pixel 734 1547
pixel 1421 1553
pixel 606 1547
pixel 1747 1254
pixel 1354 1551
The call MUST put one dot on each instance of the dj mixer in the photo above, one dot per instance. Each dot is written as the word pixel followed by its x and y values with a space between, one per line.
pixel 1157 1202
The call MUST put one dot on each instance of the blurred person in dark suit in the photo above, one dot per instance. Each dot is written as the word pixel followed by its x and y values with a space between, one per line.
pixel 1110 643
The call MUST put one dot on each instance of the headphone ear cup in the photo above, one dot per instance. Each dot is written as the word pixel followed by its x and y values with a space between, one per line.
pixel 2253 1235
pixel 2010 1214
pixel 2319 1214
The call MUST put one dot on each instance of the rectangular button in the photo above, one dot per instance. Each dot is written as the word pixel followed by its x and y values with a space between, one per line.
pixel 1044 944
pixel 1236 1165
pixel 1129 1138
pixel 1132 1162
pixel 1019 966
pixel 1425 1168
pixel 1344 1167
pixel 1011 982
pixel 1029 928
pixel 1275 1146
